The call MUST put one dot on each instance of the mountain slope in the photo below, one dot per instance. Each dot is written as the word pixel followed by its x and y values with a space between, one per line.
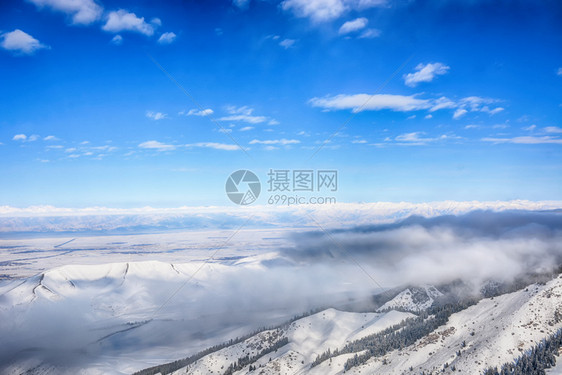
pixel 492 332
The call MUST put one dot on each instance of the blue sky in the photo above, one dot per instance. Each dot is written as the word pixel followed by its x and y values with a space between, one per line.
pixel 444 100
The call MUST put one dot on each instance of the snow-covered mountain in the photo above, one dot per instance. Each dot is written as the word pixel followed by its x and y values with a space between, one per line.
pixel 489 333
pixel 119 318
pixel 413 299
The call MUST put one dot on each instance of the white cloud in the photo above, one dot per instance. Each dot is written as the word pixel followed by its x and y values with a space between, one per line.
pixel 476 103
pixel 19 137
pixel 404 103
pixel 82 11
pixel 158 146
pixel 242 114
pixel 529 140
pixel 242 4
pixel 122 20
pixel 287 43
pixel 442 103
pixel 468 104
pixel 214 145
pixel 317 10
pixel 361 102
pixel 500 126
pixel 33 138
pixel 413 138
pixel 156 21
pixel 552 129
pixel 273 122
pixel 359 141
pixel 244 118
pixel 352 26
pixel 472 127
pixel 326 10
pixel 459 113
pixel 425 73
pixel 156 115
pixel 167 38
pixel 246 128
pixel 559 72
pixel 370 33
pixel 117 40
pixel 196 112
pixel 491 111
pixel 20 42
pixel 530 128
pixel 282 141
pixel 427 117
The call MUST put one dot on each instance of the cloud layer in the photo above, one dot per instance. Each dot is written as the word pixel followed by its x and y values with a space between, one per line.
pixel 474 247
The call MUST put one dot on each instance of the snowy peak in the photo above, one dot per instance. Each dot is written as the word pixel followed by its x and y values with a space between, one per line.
pixel 414 299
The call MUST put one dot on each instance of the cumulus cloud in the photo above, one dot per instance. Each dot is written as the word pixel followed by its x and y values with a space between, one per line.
pixel 19 137
pixel 282 142
pixel 244 114
pixel 425 73
pixel 50 138
pixel 214 145
pixel 20 43
pixel 156 115
pixel 242 4
pixel 370 33
pixel 405 103
pixel 354 25
pixel 81 11
pixel 117 40
pixel 361 102
pixel 158 146
pixel 287 43
pixel 167 38
pixel 122 20
pixel 414 138
pixel 442 103
pixel 459 113
pixel 553 129
pixel 25 138
pixel 492 111
pixel 198 112
pixel 326 10
pixel 469 104
pixel 528 140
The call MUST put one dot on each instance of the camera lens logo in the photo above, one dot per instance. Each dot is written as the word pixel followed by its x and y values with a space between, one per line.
pixel 243 187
